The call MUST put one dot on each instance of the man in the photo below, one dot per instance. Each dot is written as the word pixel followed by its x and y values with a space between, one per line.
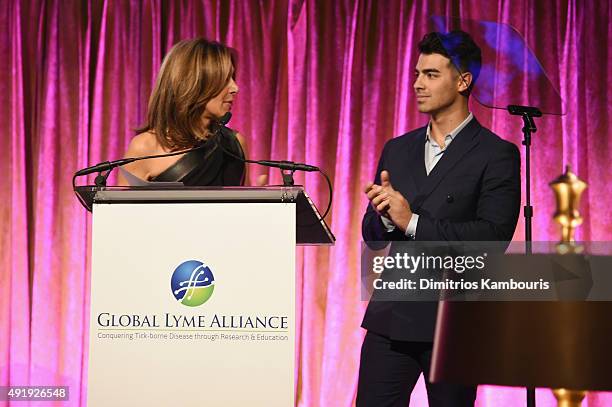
pixel 452 180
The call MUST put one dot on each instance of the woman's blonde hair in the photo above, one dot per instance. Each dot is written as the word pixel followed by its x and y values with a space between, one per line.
pixel 192 73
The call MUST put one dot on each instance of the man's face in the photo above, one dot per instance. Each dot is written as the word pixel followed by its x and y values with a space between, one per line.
pixel 437 83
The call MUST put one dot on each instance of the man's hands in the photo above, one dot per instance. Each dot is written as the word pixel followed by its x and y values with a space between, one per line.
pixel 388 202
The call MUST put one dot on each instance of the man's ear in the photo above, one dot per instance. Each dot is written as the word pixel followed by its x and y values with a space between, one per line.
pixel 465 80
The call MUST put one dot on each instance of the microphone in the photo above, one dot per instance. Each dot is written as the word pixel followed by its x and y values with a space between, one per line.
pixel 518 110
pixel 283 165
pixel 288 165
pixel 217 128
pixel 105 166
pixel 109 165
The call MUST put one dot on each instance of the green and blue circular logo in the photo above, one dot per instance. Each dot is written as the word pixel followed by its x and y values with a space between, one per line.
pixel 192 283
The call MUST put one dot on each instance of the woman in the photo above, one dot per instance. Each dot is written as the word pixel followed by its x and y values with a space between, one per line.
pixel 196 86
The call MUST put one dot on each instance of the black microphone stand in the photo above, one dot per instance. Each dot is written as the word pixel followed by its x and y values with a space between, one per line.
pixel 288 180
pixel 101 178
pixel 529 127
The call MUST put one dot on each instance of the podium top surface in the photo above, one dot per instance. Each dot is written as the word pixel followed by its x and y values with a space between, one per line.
pixel 311 228
pixel 200 194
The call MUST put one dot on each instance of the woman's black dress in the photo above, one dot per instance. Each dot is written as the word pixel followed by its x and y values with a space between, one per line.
pixel 215 164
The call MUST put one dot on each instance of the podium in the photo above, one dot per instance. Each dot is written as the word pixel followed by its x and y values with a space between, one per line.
pixel 193 294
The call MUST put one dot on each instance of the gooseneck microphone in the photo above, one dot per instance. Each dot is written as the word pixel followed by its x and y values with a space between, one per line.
pixel 217 127
pixel 109 165
pixel 287 167
pixel 283 165
pixel 105 166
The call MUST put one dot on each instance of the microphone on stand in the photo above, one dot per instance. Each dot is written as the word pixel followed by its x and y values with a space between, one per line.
pixel 283 165
pixel 110 165
pixel 218 126
pixel 104 166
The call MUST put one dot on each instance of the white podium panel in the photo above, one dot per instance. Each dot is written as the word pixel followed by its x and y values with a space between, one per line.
pixel 192 304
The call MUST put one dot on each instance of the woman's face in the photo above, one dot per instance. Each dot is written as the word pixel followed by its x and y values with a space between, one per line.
pixel 222 103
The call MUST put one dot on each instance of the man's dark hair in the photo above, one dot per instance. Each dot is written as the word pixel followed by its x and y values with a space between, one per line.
pixel 459 47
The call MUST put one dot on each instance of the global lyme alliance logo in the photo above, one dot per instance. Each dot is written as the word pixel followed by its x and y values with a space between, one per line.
pixel 192 283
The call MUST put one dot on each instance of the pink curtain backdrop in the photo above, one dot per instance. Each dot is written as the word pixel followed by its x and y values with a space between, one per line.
pixel 322 82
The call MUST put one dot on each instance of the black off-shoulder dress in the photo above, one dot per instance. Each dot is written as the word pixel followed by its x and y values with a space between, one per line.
pixel 215 164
